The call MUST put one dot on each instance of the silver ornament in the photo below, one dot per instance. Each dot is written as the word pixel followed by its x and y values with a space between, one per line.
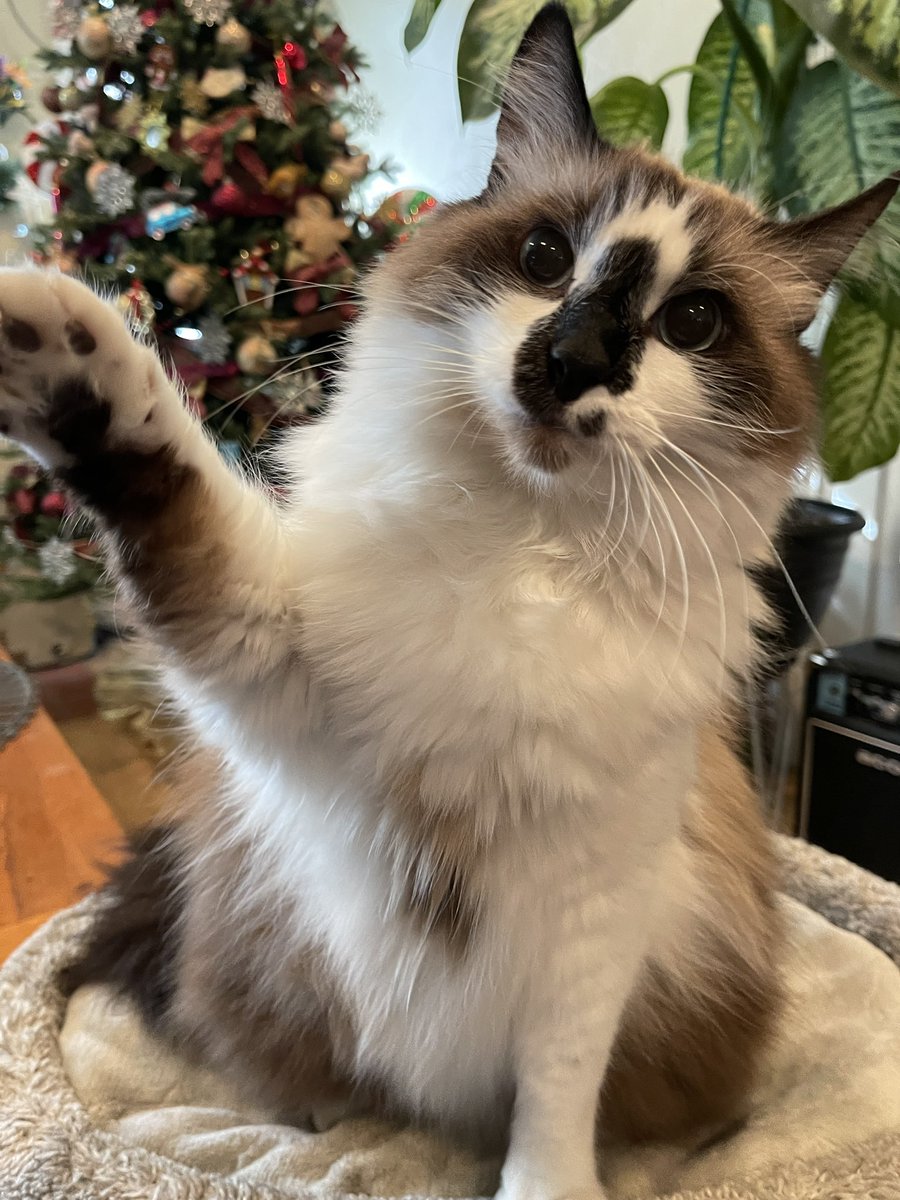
pixel 365 111
pixel 213 346
pixel 125 27
pixel 269 99
pixel 114 191
pixel 57 561
pixel 208 12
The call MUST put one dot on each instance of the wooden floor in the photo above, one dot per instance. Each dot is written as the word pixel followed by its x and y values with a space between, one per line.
pixel 57 835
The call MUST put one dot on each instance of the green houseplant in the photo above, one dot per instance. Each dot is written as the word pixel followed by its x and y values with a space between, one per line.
pixel 770 112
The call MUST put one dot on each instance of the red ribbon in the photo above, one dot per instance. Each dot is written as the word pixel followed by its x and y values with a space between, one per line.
pixel 208 143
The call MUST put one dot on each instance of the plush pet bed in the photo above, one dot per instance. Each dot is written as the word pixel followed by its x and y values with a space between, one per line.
pixel 92 1108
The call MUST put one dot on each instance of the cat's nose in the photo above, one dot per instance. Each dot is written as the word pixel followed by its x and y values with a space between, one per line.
pixel 577 363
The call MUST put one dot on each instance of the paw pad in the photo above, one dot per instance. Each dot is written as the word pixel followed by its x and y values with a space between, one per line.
pixel 81 339
pixel 21 335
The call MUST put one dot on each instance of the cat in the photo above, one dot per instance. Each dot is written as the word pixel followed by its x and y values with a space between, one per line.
pixel 467 842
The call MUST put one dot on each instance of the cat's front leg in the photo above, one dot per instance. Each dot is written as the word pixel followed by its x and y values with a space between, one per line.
pixel 199 550
pixel 567 1027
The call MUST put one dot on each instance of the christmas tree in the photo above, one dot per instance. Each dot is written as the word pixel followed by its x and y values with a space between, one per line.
pixel 200 164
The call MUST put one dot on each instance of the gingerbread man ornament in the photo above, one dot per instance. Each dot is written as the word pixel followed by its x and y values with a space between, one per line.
pixel 315 231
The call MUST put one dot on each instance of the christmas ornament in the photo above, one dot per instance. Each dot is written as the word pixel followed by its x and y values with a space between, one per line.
pixel 160 65
pixel 343 171
pixel 207 145
pixel 70 98
pixel 128 116
pixel 335 184
pixel 50 99
pixel 57 560
pixel 208 12
pixel 406 207
pixel 192 97
pixel 366 111
pixel 212 348
pixel 295 393
pixel 136 306
pixel 270 102
pixel 337 131
pixel 321 93
pixel 254 280
pixel 234 36
pixel 65 18
pixel 93 38
pixel 315 230
pixel 219 82
pixel 284 181
pixel 93 173
pixel 126 28
pixel 255 355
pixel 79 143
pixel 113 190
pixel 188 285
pixel 153 131
pixel 231 200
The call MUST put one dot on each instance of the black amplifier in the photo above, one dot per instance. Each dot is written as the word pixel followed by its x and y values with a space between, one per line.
pixel 850 788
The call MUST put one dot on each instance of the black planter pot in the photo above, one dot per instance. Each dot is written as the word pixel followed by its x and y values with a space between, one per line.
pixel 813 543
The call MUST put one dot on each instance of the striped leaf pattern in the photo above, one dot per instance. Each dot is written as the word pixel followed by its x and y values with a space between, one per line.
pixel 491 34
pixel 844 134
pixel 721 143
pixel 865 32
pixel 861 357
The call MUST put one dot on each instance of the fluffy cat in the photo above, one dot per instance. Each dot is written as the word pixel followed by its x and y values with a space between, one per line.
pixel 467 843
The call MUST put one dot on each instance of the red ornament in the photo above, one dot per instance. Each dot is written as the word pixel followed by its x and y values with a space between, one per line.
pixel 234 201
pixel 22 501
pixel 294 56
pixel 149 18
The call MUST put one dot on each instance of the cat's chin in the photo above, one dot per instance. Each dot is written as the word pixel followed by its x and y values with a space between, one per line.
pixel 548 450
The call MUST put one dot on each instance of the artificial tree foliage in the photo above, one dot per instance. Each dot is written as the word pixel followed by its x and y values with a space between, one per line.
pixel 773 112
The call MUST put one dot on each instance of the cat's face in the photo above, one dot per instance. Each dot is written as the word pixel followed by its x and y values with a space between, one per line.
pixel 594 297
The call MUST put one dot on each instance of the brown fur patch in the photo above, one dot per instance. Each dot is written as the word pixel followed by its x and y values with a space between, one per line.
pixel 434 854
pixel 688 1050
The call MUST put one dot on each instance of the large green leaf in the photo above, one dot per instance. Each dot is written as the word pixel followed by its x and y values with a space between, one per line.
pixel 861 358
pixel 493 30
pixel 419 20
pixel 629 110
pixel 843 133
pixel 723 134
pixel 865 32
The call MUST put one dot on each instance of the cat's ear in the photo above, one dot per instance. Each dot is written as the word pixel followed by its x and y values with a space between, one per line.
pixel 820 244
pixel 545 110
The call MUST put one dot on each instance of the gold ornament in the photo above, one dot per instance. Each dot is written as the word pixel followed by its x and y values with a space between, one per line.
pixel 353 166
pixel 284 181
pixel 188 285
pixel 128 116
pixel 192 97
pixel 153 131
pixel 336 184
pixel 234 36
pixel 255 355
pixel 315 231
pixel 136 305
pixel 219 82
pixel 93 38
pixel 70 98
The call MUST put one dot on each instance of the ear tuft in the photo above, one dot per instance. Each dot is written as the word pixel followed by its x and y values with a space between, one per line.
pixel 545 107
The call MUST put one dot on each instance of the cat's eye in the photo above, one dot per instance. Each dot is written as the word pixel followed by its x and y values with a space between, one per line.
pixel 546 257
pixel 692 321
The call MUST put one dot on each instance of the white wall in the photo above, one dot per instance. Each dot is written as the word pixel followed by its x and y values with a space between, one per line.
pixel 421 130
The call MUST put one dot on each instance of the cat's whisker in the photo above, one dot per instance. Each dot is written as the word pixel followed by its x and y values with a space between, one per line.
pixel 704 545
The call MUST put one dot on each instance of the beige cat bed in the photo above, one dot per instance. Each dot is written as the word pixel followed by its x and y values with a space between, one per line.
pixel 92 1108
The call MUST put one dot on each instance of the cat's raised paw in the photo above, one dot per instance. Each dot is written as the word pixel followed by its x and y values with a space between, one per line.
pixel 72 378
